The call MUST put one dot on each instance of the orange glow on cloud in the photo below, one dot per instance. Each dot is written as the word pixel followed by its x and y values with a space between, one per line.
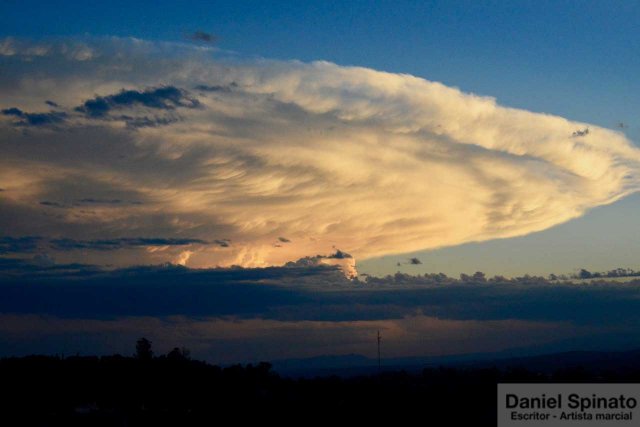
pixel 327 156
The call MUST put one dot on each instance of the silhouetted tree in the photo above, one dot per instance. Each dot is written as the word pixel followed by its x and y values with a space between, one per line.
pixel 143 349
pixel 179 354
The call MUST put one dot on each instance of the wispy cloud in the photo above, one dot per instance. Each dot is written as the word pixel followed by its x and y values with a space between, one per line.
pixel 113 244
pixel 35 119
pixel 202 36
pixel 11 245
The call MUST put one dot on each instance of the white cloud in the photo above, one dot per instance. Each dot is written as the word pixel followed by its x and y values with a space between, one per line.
pixel 372 163
pixel 7 47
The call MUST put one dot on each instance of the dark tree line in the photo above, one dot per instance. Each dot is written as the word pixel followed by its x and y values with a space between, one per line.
pixel 175 390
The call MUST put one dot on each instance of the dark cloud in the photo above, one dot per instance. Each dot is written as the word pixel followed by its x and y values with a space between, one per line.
pixel 95 201
pixel 222 242
pixel 201 36
pixel 320 293
pixel 162 98
pixel 120 243
pixel 414 261
pixel 284 240
pixel 310 261
pixel 89 201
pixel 147 122
pixel 26 244
pixel 217 88
pixel 52 204
pixel 13 112
pixel 101 201
pixel 316 293
pixel 339 255
pixel 43 268
pixel 81 290
pixel 51 103
pixel 43 260
pixel 581 132
pixel 35 119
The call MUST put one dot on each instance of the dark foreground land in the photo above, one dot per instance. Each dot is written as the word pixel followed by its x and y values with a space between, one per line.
pixel 176 391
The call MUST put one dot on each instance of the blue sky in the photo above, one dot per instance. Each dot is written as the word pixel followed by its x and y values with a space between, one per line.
pixel 579 60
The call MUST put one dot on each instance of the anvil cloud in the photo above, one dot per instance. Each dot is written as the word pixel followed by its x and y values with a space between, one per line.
pixel 131 140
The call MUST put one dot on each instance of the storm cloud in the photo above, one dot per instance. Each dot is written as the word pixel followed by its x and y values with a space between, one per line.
pixel 370 162
pixel 233 314
pixel 113 244
pixel 35 119
pixel 162 98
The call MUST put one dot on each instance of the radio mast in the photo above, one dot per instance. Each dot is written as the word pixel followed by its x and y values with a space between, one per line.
pixel 379 339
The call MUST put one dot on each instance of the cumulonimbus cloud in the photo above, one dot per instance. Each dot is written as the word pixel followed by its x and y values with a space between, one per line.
pixel 247 151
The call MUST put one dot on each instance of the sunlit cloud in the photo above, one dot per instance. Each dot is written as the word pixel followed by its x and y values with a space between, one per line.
pixel 246 152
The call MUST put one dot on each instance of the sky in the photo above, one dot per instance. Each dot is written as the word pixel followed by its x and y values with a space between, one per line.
pixel 314 138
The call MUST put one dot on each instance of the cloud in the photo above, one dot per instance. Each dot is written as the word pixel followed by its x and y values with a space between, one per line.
pixel 156 248
pixel 13 112
pixel 10 245
pixel 52 204
pixel 339 255
pixel 373 163
pixel 309 291
pixel 345 262
pixel 163 98
pixel 7 47
pixel 414 261
pixel 26 50
pixel 35 119
pixel 217 88
pixel 105 201
pixel 43 260
pixel 223 243
pixel 120 243
pixel 145 121
pixel 298 306
pixel 580 132
pixel 201 36
pixel 284 240
pixel 183 257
